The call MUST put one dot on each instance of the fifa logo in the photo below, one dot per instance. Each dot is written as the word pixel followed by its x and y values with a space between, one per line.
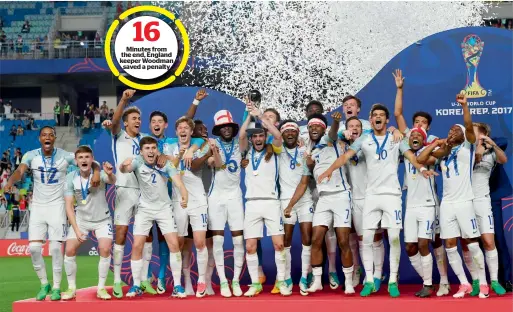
pixel 472 48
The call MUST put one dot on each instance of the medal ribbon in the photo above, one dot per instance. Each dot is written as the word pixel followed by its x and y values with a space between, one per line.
pixel 379 148
pixel 257 164
pixel 293 160
pixel 227 155
pixel 51 161
pixel 86 189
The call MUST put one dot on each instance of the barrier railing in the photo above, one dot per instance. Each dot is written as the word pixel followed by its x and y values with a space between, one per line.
pixel 62 50
pixel 27 116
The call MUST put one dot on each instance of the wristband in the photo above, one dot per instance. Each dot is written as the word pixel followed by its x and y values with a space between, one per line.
pixel 195 102
pixel 422 169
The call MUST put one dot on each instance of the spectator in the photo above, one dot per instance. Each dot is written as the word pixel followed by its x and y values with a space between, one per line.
pixel 98 41
pixel 26 27
pixel 104 114
pixel 509 25
pixel 7 109
pixel 13 132
pixel 19 45
pixel 23 203
pixel 90 113
pixel 3 163
pixel 15 216
pixel 86 124
pixel 111 113
pixel 19 131
pixel 67 111
pixel 3 44
pixel 97 118
pixel 32 125
pixel 17 158
pixel 3 207
pixel 104 106
pixel 57 112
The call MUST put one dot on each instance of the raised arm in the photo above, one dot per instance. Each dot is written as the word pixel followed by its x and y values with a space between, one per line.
pixel 398 109
pixel 108 169
pixel 203 155
pixel 200 95
pixel 243 136
pixel 277 139
pixel 127 165
pixel 467 119
pixel 116 118
pixel 333 133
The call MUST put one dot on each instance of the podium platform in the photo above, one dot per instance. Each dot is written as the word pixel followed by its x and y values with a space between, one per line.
pixel 327 300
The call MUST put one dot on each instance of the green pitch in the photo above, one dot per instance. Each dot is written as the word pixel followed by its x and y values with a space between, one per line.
pixel 19 281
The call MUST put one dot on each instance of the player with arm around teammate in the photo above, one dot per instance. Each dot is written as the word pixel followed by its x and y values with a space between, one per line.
pixel 383 202
pixel 92 215
pixel 334 206
pixel 154 205
pixel 457 216
pixel 488 154
pixel 47 213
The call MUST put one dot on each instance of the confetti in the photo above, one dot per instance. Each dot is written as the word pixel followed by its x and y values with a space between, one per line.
pixel 297 51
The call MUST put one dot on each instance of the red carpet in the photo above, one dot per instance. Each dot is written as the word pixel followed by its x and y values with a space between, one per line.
pixel 326 300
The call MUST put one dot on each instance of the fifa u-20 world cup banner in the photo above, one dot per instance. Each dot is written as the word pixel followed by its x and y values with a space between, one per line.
pixel 475 60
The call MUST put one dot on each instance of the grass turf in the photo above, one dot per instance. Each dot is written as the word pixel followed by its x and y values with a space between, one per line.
pixel 19 281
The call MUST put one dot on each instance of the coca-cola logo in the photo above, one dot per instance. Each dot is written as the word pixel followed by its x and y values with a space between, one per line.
pixel 18 250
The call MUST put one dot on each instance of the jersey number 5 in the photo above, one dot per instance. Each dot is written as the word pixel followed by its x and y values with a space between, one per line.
pixel 50 175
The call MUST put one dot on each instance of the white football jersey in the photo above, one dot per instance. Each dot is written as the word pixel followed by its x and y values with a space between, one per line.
pixel 153 183
pixel 48 174
pixel 123 147
pixel 381 167
pixel 226 180
pixel 357 169
pixel 193 181
pixel 457 174
pixel 261 177
pixel 324 155
pixel 95 208
pixel 421 191
pixel 481 175
pixel 291 170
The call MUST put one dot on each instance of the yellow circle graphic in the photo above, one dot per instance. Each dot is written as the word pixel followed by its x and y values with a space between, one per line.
pixel 181 66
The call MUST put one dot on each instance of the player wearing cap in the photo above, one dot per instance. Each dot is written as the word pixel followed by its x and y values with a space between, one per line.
pixel 334 206
pixel 420 214
pixel 488 154
pixel 262 205
pixel 292 162
pixel 48 166
pixel 423 120
pixel 457 216
pixel 225 198
pixel 92 215
pixel 383 202
pixel 154 206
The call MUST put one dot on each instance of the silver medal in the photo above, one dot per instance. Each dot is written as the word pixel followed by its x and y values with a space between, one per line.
pixel 444 168
pixel 255 173
pixel 376 157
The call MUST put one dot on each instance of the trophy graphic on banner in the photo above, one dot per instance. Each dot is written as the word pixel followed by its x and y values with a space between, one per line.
pixel 472 48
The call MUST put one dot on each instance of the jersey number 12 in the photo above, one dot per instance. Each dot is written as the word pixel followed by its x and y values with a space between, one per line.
pixel 50 175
